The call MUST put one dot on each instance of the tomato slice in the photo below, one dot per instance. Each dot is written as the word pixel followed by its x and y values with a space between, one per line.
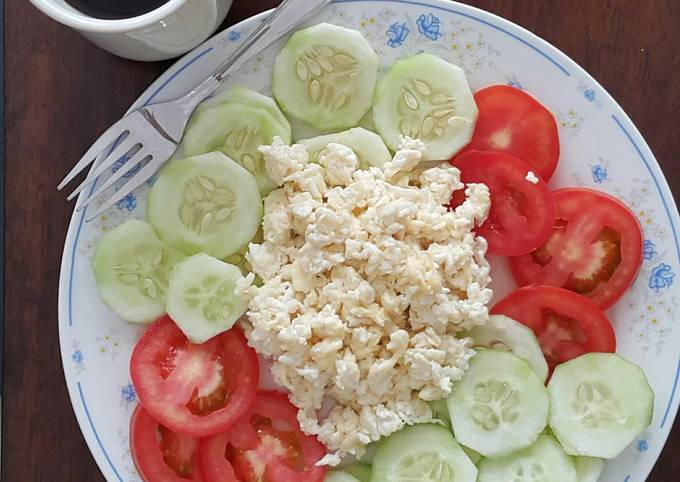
pixel 566 324
pixel 595 248
pixel 266 445
pixel 512 121
pixel 213 462
pixel 160 454
pixel 522 212
pixel 198 390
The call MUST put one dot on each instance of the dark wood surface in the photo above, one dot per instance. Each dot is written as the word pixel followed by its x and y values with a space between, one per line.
pixel 61 92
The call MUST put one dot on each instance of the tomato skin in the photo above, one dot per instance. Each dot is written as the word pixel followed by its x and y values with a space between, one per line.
pixel 522 213
pixel 168 372
pixel 249 439
pixel 212 460
pixel 566 324
pixel 512 121
pixel 586 220
pixel 150 457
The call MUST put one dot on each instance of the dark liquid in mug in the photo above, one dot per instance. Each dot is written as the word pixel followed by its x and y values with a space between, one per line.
pixel 115 9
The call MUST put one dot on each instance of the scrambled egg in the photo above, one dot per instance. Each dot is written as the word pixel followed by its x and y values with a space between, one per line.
pixel 367 281
pixel 531 177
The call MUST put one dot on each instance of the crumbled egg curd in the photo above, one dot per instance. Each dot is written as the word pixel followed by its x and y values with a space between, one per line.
pixel 531 177
pixel 367 281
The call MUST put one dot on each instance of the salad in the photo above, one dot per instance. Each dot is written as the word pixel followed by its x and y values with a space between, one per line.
pixel 319 308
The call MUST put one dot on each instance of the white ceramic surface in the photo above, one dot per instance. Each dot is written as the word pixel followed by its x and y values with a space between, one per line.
pixel 171 30
pixel 601 148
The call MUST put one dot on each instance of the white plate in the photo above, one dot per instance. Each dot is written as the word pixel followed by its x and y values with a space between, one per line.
pixel 601 148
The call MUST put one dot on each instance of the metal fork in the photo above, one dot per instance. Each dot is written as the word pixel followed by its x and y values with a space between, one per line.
pixel 152 133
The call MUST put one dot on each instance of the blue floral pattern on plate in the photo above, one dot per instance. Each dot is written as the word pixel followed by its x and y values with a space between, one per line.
pixel 642 445
pixel 590 94
pixel 129 202
pixel 128 393
pixel 649 250
pixel 78 357
pixel 397 34
pixel 429 26
pixel 662 277
pixel 513 82
pixel 600 173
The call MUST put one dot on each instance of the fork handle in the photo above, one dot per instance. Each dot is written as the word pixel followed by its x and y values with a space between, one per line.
pixel 277 24
pixel 260 31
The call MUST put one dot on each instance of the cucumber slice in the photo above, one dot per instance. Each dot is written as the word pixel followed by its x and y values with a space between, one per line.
pixel 206 203
pixel 475 457
pixel 201 298
pixel 426 98
pixel 246 96
pixel 131 267
pixel 361 472
pixel 367 121
pixel 504 333
pixel 599 404
pixel 588 469
pixel 339 476
pixel 499 406
pixel 239 260
pixel 367 145
pixel 369 456
pixel 237 130
pixel 426 453
pixel 440 411
pixel 544 461
pixel 325 75
pixel 302 130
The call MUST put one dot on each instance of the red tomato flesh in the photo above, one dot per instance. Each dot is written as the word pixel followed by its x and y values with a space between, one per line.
pixel 198 390
pixel 595 248
pixel 512 121
pixel 566 324
pixel 266 445
pixel 213 462
pixel 522 213
pixel 160 454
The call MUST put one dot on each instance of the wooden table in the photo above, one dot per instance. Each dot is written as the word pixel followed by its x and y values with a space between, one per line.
pixel 61 92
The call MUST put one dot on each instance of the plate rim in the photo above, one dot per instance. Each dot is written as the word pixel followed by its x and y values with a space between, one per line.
pixel 550 52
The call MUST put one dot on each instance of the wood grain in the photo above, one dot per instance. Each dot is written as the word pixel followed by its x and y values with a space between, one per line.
pixel 61 92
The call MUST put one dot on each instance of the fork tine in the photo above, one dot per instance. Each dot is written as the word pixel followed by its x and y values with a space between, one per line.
pixel 137 180
pixel 111 135
pixel 100 158
pixel 120 150
pixel 130 164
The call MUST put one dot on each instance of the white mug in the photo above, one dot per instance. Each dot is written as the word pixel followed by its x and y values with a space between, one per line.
pixel 172 29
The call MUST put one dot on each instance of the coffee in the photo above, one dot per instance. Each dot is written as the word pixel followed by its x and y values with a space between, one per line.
pixel 115 9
